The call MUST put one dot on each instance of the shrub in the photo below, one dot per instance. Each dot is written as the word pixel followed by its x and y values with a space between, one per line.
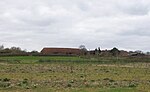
pixel 6 79
pixel 72 81
pixel 111 80
pixel 81 76
pixel 4 85
pixel 132 85
pixel 69 85
pixel 25 81
pixel 106 79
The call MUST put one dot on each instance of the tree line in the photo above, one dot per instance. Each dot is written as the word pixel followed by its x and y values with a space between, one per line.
pixel 98 51
pixel 113 52
pixel 15 51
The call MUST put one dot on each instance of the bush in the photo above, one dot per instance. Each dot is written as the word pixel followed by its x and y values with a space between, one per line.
pixel 4 85
pixel 25 81
pixel 106 79
pixel 6 79
pixel 111 80
pixel 132 85
pixel 69 85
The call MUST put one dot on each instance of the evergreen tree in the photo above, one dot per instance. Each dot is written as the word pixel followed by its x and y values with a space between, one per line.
pixel 115 51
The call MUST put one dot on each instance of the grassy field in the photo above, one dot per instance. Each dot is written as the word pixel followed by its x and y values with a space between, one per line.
pixel 74 74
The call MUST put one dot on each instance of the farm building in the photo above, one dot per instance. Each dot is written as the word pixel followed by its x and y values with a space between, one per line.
pixel 123 53
pixel 61 51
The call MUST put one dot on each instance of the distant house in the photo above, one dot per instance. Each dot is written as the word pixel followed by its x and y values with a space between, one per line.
pixel 105 53
pixel 91 52
pixel 131 53
pixel 123 53
pixel 61 51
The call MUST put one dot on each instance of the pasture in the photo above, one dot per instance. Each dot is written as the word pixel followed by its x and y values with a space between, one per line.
pixel 74 74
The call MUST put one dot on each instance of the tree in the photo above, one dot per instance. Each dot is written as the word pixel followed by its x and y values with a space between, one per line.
pixel 34 52
pixel 16 50
pixel 147 53
pixel 115 51
pixel 96 51
pixel 99 50
pixel 83 49
pixel 2 47
pixel 138 52
pixel 6 51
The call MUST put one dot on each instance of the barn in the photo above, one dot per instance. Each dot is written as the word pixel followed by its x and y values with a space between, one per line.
pixel 61 51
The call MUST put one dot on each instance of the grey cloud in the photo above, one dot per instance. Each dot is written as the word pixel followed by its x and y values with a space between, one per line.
pixel 107 23
pixel 134 7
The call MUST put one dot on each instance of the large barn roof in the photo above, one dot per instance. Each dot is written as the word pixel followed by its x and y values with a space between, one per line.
pixel 60 51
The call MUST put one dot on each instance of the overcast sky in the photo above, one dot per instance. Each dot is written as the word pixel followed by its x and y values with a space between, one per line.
pixel 34 24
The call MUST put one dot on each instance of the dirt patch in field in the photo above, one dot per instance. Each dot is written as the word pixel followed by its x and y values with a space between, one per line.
pixel 147 65
pixel 114 65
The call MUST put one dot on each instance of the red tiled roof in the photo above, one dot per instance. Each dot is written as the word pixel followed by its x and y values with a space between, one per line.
pixel 61 51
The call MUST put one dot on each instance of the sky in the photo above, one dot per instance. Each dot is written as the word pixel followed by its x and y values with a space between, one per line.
pixel 34 24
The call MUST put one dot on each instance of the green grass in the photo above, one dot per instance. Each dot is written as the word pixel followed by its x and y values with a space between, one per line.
pixel 75 59
pixel 40 57
pixel 35 59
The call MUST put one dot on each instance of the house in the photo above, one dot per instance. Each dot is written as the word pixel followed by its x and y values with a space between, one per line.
pixel 61 51
pixel 106 53
pixel 136 53
pixel 123 53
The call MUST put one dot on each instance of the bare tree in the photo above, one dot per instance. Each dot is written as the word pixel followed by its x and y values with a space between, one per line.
pixel 2 47
pixel 83 49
